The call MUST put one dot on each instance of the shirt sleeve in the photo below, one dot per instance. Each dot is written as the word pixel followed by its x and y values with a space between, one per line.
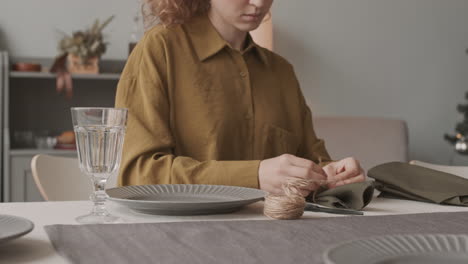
pixel 148 153
pixel 311 147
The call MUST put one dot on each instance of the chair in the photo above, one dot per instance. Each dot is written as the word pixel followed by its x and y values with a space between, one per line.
pixel 461 171
pixel 60 179
pixel 371 140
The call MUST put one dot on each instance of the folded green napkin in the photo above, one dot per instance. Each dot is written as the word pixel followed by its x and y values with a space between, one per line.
pixel 403 180
pixel 350 196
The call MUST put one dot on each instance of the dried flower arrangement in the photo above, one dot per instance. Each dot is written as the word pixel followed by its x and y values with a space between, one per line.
pixel 86 44
pixel 79 53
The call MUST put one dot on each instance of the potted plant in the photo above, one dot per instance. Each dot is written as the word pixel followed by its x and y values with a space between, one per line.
pixel 83 49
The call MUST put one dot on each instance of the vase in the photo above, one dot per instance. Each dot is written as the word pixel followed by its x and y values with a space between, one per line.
pixel 76 65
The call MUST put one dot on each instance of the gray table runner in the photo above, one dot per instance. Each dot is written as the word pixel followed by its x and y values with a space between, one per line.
pixel 297 241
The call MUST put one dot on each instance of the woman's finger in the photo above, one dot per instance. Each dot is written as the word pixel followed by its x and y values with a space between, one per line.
pixel 303 173
pixel 297 161
pixel 347 174
pixel 305 163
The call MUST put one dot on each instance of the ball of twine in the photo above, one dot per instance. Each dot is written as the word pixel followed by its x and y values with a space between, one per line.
pixel 290 205
pixel 284 207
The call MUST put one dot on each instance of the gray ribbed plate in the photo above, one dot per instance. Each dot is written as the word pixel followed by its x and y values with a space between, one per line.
pixel 12 227
pixel 184 199
pixel 402 249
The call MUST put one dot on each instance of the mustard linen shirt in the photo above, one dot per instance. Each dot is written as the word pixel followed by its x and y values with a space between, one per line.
pixel 201 112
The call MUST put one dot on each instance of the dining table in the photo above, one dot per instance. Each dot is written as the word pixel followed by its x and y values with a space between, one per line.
pixel 36 247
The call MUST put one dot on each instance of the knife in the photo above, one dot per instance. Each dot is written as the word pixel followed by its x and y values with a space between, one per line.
pixel 315 208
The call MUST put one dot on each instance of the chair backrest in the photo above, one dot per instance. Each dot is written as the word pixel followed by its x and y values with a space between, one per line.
pixel 371 140
pixel 60 179
pixel 461 171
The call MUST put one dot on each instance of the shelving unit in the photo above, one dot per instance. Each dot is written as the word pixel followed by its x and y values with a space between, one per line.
pixel 33 152
pixel 47 75
pixel 31 103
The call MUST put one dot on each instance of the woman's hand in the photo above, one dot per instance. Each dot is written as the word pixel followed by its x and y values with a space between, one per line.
pixel 274 173
pixel 343 172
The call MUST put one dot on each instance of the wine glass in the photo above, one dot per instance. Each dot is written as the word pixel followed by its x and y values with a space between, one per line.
pixel 99 139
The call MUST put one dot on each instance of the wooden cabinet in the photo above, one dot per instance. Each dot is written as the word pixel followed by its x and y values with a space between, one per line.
pixel 31 107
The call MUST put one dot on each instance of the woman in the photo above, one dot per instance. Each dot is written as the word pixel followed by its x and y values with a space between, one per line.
pixel 209 106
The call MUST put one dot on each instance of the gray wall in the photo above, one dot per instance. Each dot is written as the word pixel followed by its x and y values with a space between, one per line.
pixel 32 27
pixel 401 59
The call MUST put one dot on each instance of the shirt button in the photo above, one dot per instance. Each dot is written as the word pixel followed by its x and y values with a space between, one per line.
pixel 243 74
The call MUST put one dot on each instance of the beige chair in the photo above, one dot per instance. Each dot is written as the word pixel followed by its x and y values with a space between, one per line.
pixel 370 140
pixel 60 179
pixel 461 171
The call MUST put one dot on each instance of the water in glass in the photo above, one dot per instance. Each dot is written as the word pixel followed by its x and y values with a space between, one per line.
pixel 99 149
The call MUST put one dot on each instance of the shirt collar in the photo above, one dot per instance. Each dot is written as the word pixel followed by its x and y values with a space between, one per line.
pixel 207 41
pixel 251 45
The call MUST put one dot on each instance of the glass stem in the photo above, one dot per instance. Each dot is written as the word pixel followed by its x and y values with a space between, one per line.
pixel 99 196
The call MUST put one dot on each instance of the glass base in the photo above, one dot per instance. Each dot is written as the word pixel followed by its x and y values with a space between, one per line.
pixel 98 219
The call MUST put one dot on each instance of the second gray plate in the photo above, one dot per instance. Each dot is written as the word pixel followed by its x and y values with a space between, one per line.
pixel 184 199
pixel 401 249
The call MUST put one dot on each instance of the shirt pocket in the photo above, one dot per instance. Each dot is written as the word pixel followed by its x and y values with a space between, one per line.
pixel 277 141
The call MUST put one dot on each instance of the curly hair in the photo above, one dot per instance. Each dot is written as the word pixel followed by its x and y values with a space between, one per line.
pixel 171 12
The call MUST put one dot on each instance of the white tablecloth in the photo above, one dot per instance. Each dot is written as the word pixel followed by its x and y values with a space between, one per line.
pixel 35 247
